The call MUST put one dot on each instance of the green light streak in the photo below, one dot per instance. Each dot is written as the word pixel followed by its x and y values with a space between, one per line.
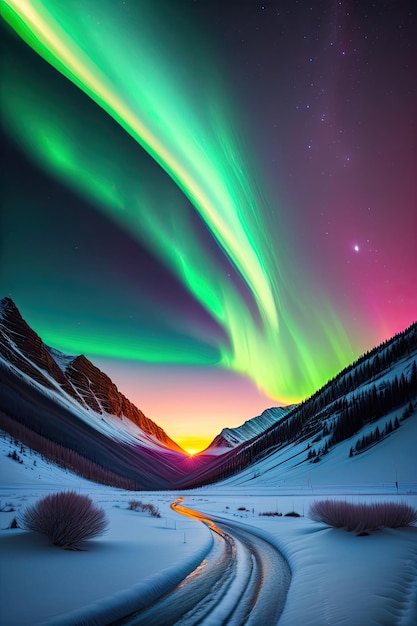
pixel 192 142
pixel 142 348
pixel 147 104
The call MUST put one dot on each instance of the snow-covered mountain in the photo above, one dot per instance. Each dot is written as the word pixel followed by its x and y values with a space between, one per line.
pixel 56 399
pixel 229 438
pixel 71 376
pixel 369 409
pixel 66 408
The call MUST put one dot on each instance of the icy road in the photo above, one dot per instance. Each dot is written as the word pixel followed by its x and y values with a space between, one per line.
pixel 243 580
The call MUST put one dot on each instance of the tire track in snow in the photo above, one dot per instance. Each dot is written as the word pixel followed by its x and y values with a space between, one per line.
pixel 243 580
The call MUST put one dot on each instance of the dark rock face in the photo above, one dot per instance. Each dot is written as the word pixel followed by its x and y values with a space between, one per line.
pixel 101 394
pixel 33 379
pixel 22 347
pixel 82 380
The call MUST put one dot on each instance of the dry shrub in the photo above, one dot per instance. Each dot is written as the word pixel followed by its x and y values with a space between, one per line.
pixel 271 514
pixel 361 517
pixel 67 518
pixel 135 505
pixel 138 505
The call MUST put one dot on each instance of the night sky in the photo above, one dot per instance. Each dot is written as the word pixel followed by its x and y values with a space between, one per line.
pixel 215 201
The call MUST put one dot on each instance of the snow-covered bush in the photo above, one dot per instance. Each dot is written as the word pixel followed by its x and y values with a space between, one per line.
pixel 138 505
pixel 361 517
pixel 152 510
pixel 67 518
pixel 135 505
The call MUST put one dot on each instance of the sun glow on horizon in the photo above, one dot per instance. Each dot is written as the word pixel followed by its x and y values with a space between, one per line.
pixel 193 445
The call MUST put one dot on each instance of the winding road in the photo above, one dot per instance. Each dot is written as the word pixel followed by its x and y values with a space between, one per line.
pixel 243 580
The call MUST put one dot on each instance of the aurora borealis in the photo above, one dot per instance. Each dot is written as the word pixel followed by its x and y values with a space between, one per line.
pixel 208 200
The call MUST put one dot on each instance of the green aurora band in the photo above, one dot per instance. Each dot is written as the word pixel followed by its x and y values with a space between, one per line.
pixel 186 131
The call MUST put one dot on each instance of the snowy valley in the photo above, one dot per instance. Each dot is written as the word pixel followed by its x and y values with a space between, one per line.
pixel 353 441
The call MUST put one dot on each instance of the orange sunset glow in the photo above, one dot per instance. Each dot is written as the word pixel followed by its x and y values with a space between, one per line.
pixel 193 445
pixel 180 399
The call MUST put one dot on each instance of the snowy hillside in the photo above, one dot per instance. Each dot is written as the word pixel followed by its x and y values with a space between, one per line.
pixel 138 558
pixel 72 382
pixel 393 460
pixel 363 412
pixel 337 577
pixel 70 411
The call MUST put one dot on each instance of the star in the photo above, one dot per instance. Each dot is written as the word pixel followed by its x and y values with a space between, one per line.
pixel 356 248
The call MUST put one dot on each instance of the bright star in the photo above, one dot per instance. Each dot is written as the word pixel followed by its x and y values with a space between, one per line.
pixel 356 248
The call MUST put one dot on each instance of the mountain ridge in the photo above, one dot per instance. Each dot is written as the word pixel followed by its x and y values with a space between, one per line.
pixel 76 375
pixel 63 407
pixel 229 438
pixel 64 401
pixel 380 383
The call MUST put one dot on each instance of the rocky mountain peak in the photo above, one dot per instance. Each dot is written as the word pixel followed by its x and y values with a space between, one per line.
pixel 79 377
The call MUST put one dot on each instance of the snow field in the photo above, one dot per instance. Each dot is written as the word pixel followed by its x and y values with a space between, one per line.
pixel 337 577
pixel 136 560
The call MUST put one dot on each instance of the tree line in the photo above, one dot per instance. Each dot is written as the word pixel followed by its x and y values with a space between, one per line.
pixel 351 411
pixel 64 457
